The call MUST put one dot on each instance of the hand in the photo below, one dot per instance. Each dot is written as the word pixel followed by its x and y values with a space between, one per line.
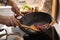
pixel 9 21
pixel 15 8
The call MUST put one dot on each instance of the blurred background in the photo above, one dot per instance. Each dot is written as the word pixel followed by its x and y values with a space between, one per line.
pixel 39 5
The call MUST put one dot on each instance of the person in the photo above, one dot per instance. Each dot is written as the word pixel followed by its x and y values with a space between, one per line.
pixel 9 20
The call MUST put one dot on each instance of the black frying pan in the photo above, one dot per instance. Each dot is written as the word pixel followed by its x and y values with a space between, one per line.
pixel 33 18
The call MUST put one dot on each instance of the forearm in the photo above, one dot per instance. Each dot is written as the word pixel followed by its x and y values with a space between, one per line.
pixel 2 19
pixel 9 20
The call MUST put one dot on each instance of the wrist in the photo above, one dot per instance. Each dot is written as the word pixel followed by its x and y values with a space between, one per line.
pixel 2 18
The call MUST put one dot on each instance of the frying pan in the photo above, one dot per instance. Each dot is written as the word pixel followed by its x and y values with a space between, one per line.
pixel 33 18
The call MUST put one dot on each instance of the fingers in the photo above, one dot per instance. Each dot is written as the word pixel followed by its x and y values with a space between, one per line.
pixel 11 22
pixel 14 22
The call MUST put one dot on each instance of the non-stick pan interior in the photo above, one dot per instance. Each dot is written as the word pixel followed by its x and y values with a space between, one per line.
pixel 35 17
